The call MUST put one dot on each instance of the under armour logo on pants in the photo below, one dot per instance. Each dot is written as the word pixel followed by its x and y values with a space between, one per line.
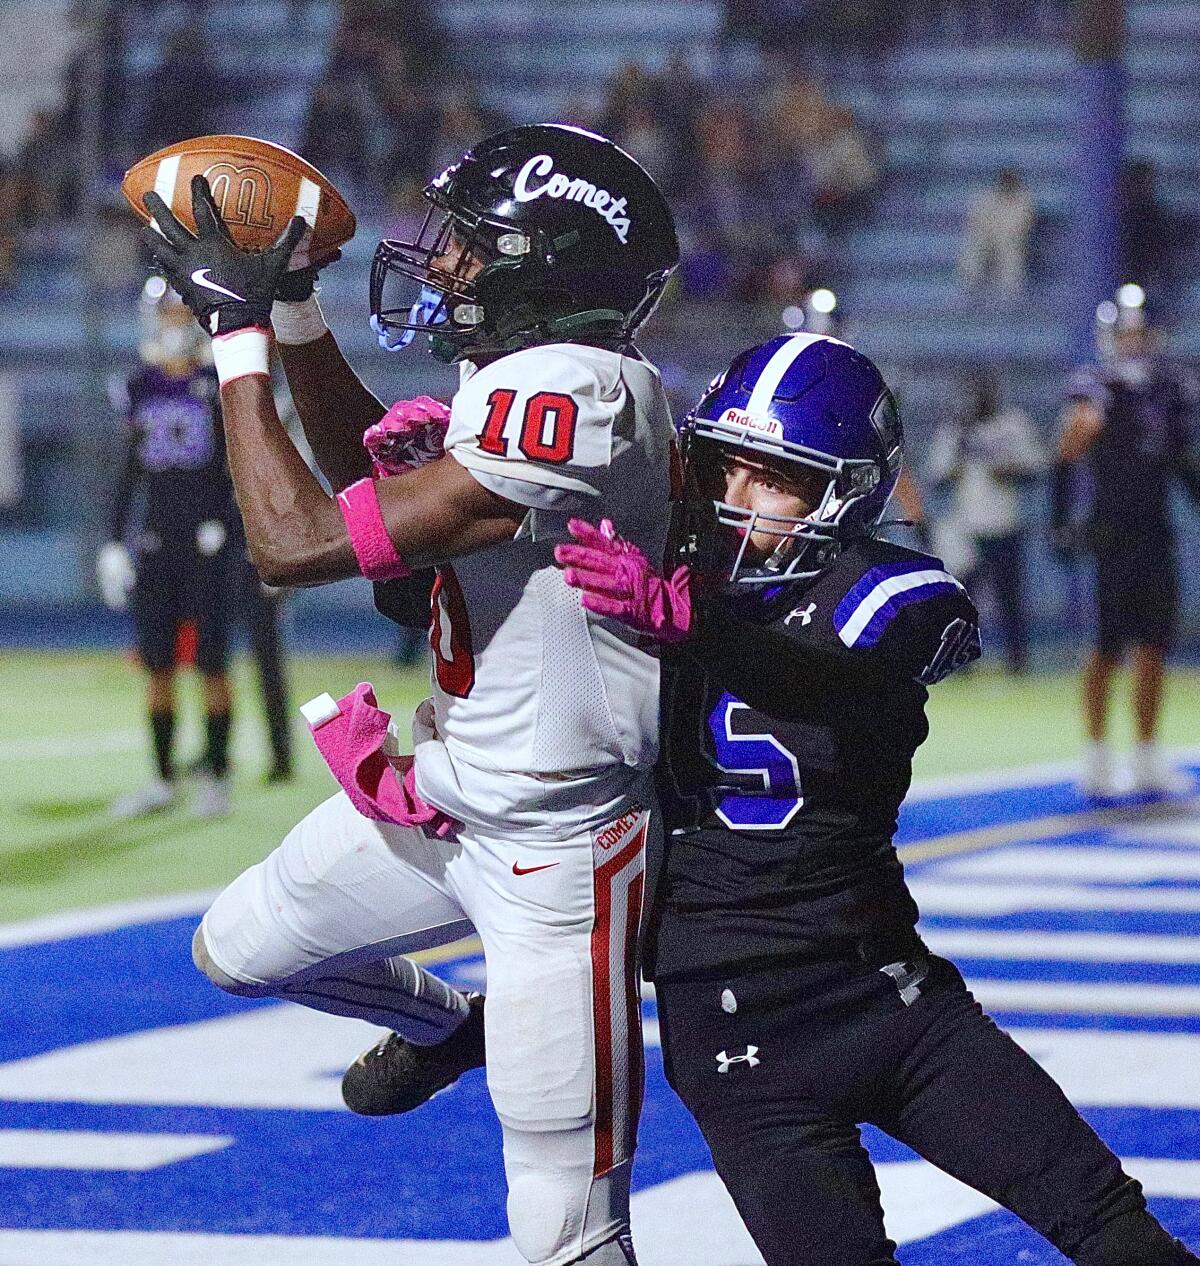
pixel 726 1061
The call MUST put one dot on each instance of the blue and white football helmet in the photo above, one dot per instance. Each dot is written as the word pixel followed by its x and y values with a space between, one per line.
pixel 811 401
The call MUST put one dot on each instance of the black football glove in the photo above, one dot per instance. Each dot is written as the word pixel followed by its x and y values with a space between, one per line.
pixel 227 288
pixel 298 284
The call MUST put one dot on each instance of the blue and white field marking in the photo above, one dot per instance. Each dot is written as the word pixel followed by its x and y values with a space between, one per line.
pixel 147 1119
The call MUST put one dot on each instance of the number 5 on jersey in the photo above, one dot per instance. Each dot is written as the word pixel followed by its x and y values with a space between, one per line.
pixel 547 428
pixel 740 749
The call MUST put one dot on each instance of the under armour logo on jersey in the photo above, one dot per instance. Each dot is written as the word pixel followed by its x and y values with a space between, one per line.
pixel 573 189
pixel 726 1061
pixel 803 614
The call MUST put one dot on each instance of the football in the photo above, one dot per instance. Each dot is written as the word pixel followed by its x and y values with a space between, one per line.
pixel 257 185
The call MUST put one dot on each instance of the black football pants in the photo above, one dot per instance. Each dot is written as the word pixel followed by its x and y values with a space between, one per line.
pixel 780 1064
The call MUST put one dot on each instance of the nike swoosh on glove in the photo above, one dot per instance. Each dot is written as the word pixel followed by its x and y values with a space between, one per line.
pixel 619 581
pixel 227 288
pixel 411 433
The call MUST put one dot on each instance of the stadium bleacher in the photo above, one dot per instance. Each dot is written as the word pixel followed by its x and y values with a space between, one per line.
pixel 944 118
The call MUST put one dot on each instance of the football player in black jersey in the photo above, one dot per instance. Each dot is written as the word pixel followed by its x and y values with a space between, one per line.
pixel 1129 421
pixel 795 998
pixel 174 503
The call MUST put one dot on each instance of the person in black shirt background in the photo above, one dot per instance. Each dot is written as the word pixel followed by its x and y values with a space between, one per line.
pixel 186 558
pixel 1128 426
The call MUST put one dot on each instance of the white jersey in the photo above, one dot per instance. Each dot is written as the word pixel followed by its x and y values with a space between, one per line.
pixel 541 709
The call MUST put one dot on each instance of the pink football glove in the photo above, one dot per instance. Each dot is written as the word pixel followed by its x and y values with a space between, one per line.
pixel 352 735
pixel 619 581
pixel 410 434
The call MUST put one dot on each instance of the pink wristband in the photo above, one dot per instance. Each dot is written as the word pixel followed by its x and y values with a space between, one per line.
pixel 377 556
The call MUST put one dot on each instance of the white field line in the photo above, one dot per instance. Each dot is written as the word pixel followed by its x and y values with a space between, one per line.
pixel 951 897
pixel 92 1149
pixel 82 922
pixel 1082 947
pixel 53 746
pixel 1045 774
pixel 1087 997
pixel 1071 862
pixel 689 1219
pixel 69 923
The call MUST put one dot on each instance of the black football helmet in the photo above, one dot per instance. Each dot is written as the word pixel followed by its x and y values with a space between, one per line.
pixel 554 234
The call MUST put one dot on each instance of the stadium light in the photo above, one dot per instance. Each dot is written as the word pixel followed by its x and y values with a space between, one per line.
pixel 1131 295
pixel 823 300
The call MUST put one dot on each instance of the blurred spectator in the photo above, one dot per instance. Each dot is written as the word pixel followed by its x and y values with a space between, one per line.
pixel 984 455
pixel 47 172
pixel 650 143
pixel 996 241
pixel 727 201
pixel 462 123
pixel 631 89
pixel 843 172
pixel 1151 237
pixel 113 260
pixel 866 27
pixel 10 219
pixel 335 134
pixel 1130 422
pixel 184 95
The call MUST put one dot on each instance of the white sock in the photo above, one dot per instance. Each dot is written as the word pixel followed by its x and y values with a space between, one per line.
pixel 1097 755
pixel 1147 755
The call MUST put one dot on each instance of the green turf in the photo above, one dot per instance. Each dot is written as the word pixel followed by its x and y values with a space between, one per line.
pixel 71 738
pixel 58 847
pixel 988 720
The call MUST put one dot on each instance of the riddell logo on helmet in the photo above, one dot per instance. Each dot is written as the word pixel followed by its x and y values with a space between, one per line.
pixel 738 417
pixel 614 210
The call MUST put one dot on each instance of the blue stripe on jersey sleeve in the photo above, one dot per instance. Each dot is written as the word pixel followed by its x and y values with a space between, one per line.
pixel 878 623
pixel 870 580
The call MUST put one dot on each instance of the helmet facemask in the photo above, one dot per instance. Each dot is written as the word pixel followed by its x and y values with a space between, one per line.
pixel 412 293
pixel 806 544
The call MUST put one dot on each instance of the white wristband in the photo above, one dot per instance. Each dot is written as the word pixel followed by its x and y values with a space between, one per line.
pixel 242 353
pixel 302 322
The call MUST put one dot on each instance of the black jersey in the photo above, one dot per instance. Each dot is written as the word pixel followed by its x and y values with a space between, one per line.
pixel 788 735
pixel 1146 442
pixel 176 457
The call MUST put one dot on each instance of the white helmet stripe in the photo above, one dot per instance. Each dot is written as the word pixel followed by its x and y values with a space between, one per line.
pixel 776 367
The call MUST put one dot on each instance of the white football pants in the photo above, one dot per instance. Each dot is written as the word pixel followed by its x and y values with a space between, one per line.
pixel 316 919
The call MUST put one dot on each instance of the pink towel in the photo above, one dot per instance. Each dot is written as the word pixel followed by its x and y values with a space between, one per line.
pixel 380 787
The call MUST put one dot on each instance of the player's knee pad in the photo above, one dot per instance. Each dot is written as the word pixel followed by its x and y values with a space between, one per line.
pixel 542 1216
pixel 219 977
pixel 559 1212
pixel 540 1067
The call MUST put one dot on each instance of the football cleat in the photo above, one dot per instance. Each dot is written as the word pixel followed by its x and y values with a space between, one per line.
pixel 1153 775
pixel 397 1075
pixel 1098 779
pixel 152 798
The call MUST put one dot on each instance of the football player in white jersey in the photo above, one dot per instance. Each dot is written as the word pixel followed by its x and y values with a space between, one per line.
pixel 525 810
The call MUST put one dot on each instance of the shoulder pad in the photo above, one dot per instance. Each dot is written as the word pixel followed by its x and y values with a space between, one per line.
pixel 883 588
